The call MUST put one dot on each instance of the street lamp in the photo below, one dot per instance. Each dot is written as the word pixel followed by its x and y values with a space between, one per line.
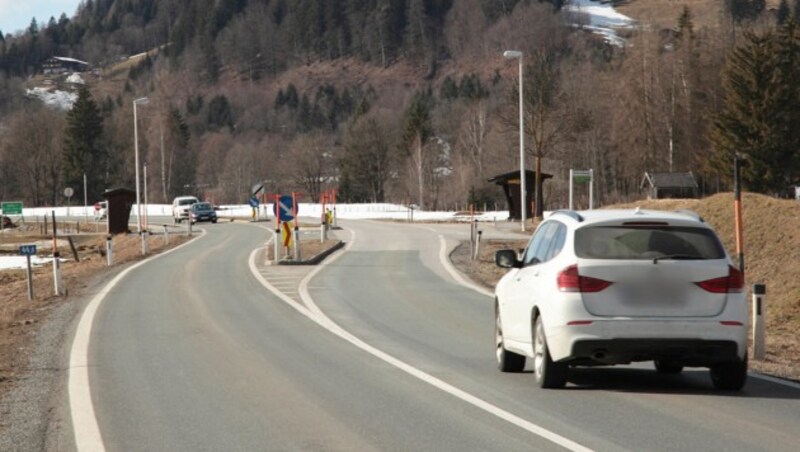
pixel 516 54
pixel 140 101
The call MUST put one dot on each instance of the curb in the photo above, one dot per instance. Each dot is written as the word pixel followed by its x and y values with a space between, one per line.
pixel 318 258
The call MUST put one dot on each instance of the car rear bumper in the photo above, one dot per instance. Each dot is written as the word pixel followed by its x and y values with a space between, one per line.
pixel 685 351
pixel 693 342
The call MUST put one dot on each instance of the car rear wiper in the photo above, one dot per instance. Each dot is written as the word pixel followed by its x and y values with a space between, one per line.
pixel 677 257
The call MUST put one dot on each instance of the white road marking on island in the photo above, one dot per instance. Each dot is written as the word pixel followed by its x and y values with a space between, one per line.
pixel 315 314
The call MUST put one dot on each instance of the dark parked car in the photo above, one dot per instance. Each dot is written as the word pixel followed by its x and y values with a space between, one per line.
pixel 203 211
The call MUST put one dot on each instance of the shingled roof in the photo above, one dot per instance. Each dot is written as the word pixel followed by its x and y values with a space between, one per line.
pixel 670 180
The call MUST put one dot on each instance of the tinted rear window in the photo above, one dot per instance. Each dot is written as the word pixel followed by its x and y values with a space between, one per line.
pixel 647 242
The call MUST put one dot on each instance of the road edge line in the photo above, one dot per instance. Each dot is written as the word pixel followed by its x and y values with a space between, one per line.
pixel 85 429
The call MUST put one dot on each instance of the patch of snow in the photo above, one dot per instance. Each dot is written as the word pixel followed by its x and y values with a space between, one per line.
pixel 20 262
pixel 70 60
pixel 75 78
pixel 374 211
pixel 600 18
pixel 61 100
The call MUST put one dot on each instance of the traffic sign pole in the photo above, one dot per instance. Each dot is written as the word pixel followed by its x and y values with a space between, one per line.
pixel 56 258
pixel 276 256
pixel 296 228
pixel 28 251
pixel 30 278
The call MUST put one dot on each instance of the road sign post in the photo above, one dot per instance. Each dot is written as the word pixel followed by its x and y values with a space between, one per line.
pixel 68 192
pixel 296 228
pixel 582 177
pixel 253 201
pixel 10 208
pixel 28 251
pixel 276 256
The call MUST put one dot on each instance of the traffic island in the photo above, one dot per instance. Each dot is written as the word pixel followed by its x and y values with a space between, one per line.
pixel 312 252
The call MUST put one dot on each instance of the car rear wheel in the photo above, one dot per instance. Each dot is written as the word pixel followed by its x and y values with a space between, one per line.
pixel 668 367
pixel 549 374
pixel 506 361
pixel 729 376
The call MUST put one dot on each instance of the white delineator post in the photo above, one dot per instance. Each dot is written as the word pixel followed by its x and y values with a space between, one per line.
pixel 759 319
pixel 109 251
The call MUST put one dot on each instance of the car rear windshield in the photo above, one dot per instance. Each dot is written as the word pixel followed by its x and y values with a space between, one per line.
pixel 647 242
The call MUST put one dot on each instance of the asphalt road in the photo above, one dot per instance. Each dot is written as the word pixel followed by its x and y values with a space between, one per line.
pixel 191 352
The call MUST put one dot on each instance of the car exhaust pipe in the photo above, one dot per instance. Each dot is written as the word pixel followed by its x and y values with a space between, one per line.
pixel 599 355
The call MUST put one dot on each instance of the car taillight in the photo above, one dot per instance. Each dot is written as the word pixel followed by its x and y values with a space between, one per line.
pixel 733 283
pixel 570 281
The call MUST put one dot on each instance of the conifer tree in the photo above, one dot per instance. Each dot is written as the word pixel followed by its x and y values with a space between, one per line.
pixel 183 160
pixel 783 12
pixel 759 117
pixel 84 152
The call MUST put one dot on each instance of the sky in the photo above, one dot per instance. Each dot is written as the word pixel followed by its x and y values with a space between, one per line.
pixel 16 15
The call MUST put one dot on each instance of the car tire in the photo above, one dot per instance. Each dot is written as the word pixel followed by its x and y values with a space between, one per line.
pixel 213 221
pixel 729 376
pixel 668 367
pixel 549 374
pixel 506 361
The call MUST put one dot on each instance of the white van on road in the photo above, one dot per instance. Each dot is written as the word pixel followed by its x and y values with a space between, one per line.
pixel 181 206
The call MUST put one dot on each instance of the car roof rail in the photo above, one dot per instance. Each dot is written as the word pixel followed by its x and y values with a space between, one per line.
pixel 570 213
pixel 691 213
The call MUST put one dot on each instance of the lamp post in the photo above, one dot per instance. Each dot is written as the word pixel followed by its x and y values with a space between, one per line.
pixel 516 54
pixel 140 101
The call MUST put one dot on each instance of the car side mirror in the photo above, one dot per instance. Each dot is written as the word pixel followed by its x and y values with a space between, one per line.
pixel 507 259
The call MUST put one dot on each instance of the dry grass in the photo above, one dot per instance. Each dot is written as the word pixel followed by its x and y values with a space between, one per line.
pixel 772 254
pixel 662 14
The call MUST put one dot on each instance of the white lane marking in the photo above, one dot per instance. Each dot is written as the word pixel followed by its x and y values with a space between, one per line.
pixel 84 420
pixel 450 268
pixel 315 314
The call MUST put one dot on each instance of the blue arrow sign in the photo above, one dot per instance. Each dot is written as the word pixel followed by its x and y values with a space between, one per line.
pixel 253 201
pixel 285 208
pixel 27 250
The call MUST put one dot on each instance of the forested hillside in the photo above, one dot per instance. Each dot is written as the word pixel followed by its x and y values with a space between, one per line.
pixel 398 100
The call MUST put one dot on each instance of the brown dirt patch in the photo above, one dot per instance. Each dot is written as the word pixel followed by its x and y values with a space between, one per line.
pixel 772 253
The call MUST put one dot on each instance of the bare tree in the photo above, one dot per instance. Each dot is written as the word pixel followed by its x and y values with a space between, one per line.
pixel 366 160
pixel 313 163
pixel 33 149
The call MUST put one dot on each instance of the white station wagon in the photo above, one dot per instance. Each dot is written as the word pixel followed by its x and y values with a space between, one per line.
pixel 606 287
